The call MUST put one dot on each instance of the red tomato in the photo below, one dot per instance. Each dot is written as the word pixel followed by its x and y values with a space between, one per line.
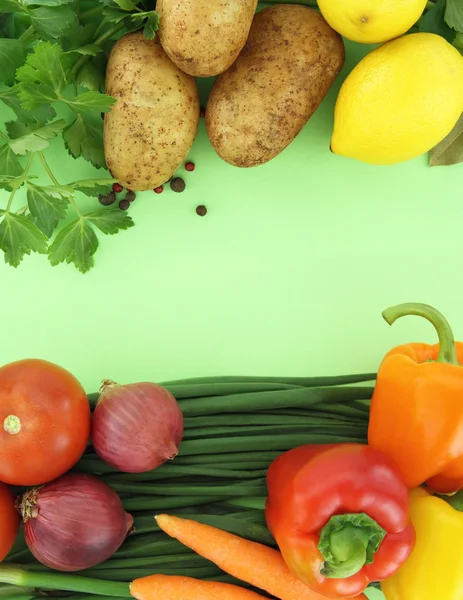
pixel 9 521
pixel 44 422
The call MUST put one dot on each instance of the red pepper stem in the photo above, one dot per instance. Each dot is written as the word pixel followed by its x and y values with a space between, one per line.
pixel 447 350
pixel 348 543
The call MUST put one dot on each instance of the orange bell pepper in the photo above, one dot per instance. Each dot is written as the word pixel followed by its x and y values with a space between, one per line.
pixel 416 414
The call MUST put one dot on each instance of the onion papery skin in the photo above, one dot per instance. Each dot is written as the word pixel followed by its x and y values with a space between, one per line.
pixel 136 427
pixel 74 522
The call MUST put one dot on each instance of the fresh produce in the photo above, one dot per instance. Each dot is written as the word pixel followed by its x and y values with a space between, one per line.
pixel 171 587
pixel 74 523
pixel 258 106
pixel 416 412
pixel 254 563
pixel 45 422
pixel 386 110
pixel 371 23
pixel 151 128
pixel 136 427
pixel 434 570
pixel 204 37
pixel 338 525
pixel 9 521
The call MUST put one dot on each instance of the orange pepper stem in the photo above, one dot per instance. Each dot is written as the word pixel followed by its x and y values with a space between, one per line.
pixel 447 351
pixel 348 543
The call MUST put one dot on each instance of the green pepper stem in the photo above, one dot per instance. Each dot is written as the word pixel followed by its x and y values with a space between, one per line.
pixel 56 581
pixel 447 350
pixel 348 543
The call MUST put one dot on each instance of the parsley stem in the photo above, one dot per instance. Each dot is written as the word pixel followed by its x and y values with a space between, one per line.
pixel 46 166
pixel 16 188
pixel 26 36
pixel 91 12
pixel 4 136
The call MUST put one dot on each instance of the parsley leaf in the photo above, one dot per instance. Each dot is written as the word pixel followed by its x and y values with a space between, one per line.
pixel 88 50
pixel 48 205
pixel 76 243
pixel 45 2
pixel 12 56
pixel 91 101
pixel 433 22
pixel 42 114
pixel 52 20
pixel 78 35
pixel 126 4
pixel 91 76
pixel 19 236
pixel 84 137
pixel 151 21
pixel 110 221
pixel 93 187
pixel 42 78
pixel 454 15
pixel 11 6
pixel 450 150
pixel 30 138
pixel 458 43
pixel 9 164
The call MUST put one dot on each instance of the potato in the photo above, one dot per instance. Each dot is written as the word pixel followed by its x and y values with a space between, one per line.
pixel 287 66
pixel 204 37
pixel 151 128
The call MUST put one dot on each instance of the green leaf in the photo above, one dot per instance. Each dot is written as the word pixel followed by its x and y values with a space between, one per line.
pixel 84 137
pixel 458 43
pixel 88 50
pixel 450 150
pixel 91 76
pixel 11 6
pixel 91 101
pixel 433 22
pixel 110 220
pixel 454 15
pixel 42 78
pixel 9 164
pixel 93 187
pixel 126 4
pixel 52 20
pixel 32 137
pixel 113 15
pixel 41 114
pixel 45 2
pixel 12 56
pixel 76 243
pixel 48 205
pixel 19 236
pixel 150 20
pixel 78 35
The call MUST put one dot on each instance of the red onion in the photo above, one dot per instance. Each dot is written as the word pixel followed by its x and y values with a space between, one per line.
pixel 136 427
pixel 74 522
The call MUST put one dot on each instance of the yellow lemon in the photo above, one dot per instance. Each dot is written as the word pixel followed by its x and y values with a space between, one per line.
pixel 399 101
pixel 371 21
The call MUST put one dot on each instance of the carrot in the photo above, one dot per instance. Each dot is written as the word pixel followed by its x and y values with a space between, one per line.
pixel 259 565
pixel 173 587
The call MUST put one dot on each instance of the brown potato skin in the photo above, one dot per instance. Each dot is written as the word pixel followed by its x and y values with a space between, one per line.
pixel 204 37
pixel 281 76
pixel 152 126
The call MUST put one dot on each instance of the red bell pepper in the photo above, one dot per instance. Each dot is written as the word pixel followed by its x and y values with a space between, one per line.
pixel 340 515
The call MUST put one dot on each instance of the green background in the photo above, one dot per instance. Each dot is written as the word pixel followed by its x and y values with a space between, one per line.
pixel 286 275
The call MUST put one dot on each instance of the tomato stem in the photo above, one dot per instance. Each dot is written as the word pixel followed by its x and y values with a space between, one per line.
pixel 12 424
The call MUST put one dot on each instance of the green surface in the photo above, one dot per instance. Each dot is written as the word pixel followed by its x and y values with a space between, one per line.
pixel 286 275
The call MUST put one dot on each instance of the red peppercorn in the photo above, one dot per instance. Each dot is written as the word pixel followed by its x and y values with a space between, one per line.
pixel 117 187
pixel 189 166
pixel 158 190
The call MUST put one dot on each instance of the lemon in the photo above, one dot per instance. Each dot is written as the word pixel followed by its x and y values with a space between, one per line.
pixel 399 101
pixel 371 21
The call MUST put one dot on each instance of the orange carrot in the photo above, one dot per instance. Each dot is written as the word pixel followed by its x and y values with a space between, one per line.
pixel 259 565
pixel 173 587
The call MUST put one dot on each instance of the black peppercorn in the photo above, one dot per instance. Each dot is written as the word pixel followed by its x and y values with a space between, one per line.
pixel 130 196
pixel 177 184
pixel 124 204
pixel 201 210
pixel 107 199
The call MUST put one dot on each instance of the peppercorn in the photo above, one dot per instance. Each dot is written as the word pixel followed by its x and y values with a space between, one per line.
pixel 190 166
pixel 130 196
pixel 177 184
pixel 107 199
pixel 159 189
pixel 201 210
pixel 117 187
pixel 124 204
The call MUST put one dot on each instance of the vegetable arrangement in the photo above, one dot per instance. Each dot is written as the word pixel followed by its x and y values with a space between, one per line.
pixel 274 489
pixel 54 79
